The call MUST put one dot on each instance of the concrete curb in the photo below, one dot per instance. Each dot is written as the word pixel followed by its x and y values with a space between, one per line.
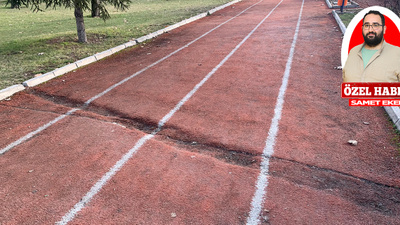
pixel 9 91
pixel 130 44
pixel 38 80
pixel 392 111
pixel 85 61
pixel 65 69
pixel 339 21
pixel 103 54
pixel 394 114
pixel 328 3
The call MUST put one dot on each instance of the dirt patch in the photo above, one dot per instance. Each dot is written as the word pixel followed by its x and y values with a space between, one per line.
pixel 368 3
pixel 92 38
pixel 235 157
pixel 393 5
pixel 370 195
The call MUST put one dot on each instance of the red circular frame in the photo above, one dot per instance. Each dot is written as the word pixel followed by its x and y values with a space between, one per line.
pixel 391 36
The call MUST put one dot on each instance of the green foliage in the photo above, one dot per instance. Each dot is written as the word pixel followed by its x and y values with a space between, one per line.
pixel 38 5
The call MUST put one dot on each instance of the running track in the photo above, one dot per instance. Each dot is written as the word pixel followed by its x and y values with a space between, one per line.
pixel 233 119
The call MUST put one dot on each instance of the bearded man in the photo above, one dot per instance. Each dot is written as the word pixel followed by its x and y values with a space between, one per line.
pixel 375 60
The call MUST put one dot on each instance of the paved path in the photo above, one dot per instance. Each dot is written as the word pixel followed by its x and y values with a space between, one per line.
pixel 174 131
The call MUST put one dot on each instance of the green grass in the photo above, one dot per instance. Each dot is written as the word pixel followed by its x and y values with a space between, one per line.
pixel 347 16
pixel 32 43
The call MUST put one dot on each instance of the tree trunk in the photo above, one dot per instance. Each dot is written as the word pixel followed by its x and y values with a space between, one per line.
pixel 95 8
pixel 80 25
pixel 13 5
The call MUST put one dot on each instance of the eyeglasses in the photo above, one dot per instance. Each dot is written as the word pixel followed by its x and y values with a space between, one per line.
pixel 375 26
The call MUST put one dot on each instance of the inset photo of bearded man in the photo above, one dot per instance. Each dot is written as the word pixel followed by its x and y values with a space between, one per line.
pixel 374 60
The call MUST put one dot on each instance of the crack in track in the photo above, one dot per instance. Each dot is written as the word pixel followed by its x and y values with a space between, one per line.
pixel 146 125
pixel 100 113
pixel 372 195
pixel 335 171
pixel 369 194
pixel 227 155
pixel 58 100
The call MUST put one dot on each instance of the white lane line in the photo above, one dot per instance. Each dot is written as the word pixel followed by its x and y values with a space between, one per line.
pixel 40 129
pixel 33 133
pixel 262 180
pixel 100 183
pixel 166 57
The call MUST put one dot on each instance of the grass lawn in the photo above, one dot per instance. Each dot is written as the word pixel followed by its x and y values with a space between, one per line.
pixel 347 16
pixel 32 43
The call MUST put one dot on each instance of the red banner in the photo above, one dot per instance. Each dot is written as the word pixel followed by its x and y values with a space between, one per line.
pixel 370 90
pixel 374 102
